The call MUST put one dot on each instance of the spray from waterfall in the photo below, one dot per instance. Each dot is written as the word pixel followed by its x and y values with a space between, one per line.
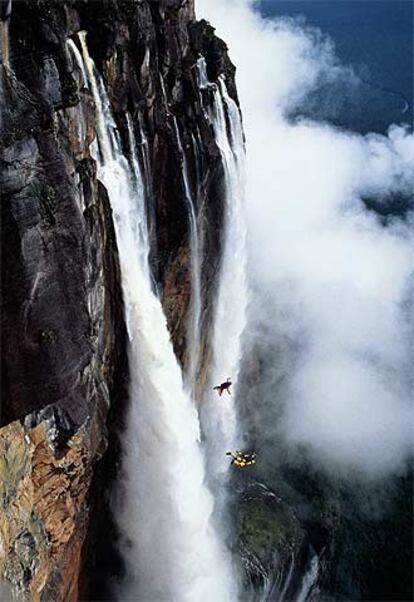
pixel 170 548
pixel 309 578
pixel 77 112
pixel 104 134
pixel 288 579
pixel 195 308
pixel 136 170
pixel 219 420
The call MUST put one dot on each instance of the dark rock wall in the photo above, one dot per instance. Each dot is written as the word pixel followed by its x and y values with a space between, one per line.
pixel 60 273
pixel 64 367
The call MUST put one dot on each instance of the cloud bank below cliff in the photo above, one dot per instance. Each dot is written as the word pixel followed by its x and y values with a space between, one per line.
pixel 335 277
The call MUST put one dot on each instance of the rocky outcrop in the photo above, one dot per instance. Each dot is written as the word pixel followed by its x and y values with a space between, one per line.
pixel 43 517
pixel 64 369
pixel 270 542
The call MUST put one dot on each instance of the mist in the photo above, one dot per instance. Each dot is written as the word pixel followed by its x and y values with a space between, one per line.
pixel 332 279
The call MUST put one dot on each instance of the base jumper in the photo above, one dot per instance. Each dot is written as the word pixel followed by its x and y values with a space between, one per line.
pixel 241 459
pixel 223 387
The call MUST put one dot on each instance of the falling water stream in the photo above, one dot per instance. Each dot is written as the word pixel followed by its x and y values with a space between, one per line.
pixel 171 549
pixel 309 578
pixel 195 258
pixel 219 417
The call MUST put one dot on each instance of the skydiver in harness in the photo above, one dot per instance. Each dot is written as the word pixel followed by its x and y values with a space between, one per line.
pixel 223 387
pixel 241 459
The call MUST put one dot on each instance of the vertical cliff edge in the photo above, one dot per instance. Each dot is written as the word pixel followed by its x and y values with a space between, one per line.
pixel 64 361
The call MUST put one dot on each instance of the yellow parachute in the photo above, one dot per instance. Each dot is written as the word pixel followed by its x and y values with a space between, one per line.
pixel 242 459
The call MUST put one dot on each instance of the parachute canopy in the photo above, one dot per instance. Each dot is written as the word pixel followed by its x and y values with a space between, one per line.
pixel 242 459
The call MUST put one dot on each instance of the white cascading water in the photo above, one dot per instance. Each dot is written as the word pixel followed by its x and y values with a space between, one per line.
pixel 280 586
pixel 77 111
pixel 193 346
pixel 145 158
pixel 309 578
pixel 219 418
pixel 78 57
pixel 288 579
pixel 171 550
pixel 140 196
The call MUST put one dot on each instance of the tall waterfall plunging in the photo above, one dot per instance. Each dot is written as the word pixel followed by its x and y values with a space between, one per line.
pixel 195 308
pixel 170 547
pixel 309 578
pixel 219 420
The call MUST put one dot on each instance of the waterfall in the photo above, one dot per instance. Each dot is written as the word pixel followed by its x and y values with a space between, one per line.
pixel 78 58
pixel 309 578
pixel 105 134
pixel 76 112
pixel 141 209
pixel 145 158
pixel 148 191
pixel 193 345
pixel 202 77
pixel 219 413
pixel 170 548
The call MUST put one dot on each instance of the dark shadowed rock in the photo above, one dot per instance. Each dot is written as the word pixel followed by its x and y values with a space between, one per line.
pixel 64 366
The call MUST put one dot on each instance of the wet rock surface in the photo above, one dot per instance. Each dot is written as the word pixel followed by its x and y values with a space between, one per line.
pixel 269 540
pixel 43 518
pixel 64 367
pixel 64 359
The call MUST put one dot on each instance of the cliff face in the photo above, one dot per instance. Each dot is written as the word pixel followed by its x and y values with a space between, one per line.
pixel 64 363
pixel 44 508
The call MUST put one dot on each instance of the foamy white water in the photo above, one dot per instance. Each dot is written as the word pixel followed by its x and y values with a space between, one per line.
pixel 79 61
pixel 219 416
pixel 171 549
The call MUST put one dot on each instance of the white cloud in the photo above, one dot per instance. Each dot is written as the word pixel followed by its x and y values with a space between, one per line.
pixel 332 268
